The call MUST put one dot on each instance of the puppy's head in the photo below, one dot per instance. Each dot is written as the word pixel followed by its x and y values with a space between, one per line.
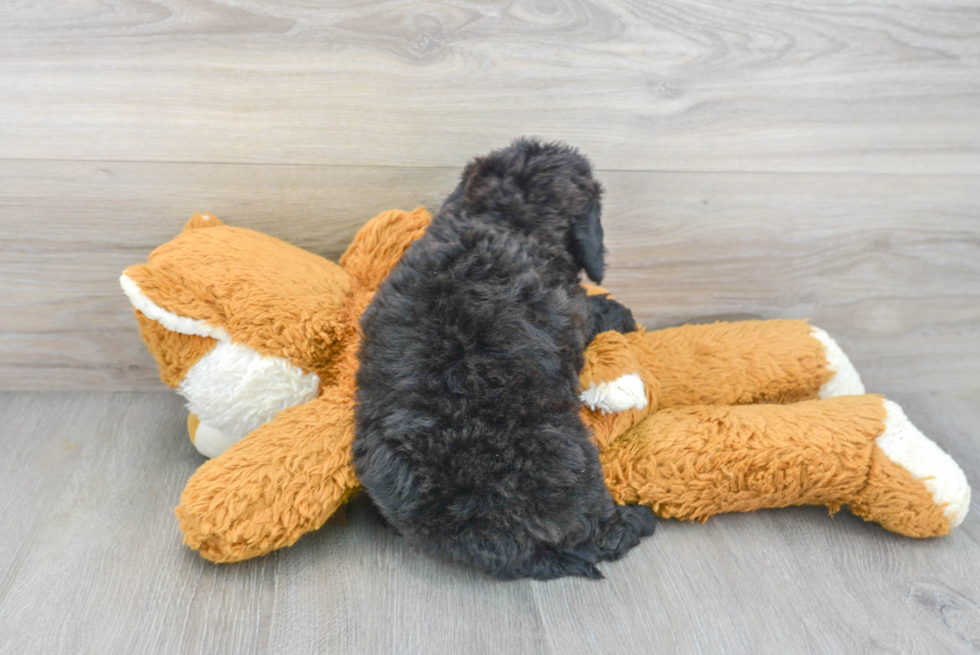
pixel 543 189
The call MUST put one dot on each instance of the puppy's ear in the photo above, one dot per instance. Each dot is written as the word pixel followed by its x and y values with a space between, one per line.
pixel 587 248
pixel 468 188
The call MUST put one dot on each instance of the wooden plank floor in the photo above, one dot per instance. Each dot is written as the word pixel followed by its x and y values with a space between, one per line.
pixel 92 563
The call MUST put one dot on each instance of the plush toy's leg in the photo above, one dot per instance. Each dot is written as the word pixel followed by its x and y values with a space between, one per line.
pixel 284 479
pixel 742 363
pixel 695 462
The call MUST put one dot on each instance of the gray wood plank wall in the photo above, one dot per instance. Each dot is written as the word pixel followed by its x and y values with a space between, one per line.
pixel 761 159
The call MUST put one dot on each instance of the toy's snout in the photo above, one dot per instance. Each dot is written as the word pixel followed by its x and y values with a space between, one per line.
pixel 209 441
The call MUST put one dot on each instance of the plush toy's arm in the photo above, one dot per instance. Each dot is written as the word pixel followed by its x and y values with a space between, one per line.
pixel 382 241
pixel 747 362
pixel 618 389
pixel 722 363
pixel 695 462
pixel 284 479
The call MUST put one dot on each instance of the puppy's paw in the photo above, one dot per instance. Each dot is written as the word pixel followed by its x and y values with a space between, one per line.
pixel 609 314
pixel 633 522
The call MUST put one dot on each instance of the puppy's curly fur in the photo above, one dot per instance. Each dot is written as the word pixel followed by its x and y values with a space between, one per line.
pixel 468 435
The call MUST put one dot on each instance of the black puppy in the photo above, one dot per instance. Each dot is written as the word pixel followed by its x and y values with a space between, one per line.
pixel 468 434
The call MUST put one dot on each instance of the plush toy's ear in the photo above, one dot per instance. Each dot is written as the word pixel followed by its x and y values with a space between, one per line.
pixel 380 244
pixel 202 220
pixel 176 342
pixel 587 248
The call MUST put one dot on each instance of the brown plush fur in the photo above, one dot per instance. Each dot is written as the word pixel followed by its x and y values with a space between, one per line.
pixel 273 297
pixel 897 501
pixel 175 353
pixel 280 300
pixel 716 364
pixel 710 459
pixel 702 446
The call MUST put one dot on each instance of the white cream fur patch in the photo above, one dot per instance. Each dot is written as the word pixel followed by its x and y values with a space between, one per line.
pixel 234 389
pixel 905 445
pixel 846 381
pixel 166 318
pixel 623 393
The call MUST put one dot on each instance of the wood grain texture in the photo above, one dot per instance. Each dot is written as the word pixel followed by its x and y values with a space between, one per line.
pixel 696 85
pixel 63 321
pixel 90 575
pixel 889 265
pixel 93 564
pixel 762 159
pixel 765 159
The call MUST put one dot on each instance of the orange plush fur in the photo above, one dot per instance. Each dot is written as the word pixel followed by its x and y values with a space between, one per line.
pixel 732 421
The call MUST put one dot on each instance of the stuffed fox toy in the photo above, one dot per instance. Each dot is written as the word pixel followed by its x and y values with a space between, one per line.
pixel 262 340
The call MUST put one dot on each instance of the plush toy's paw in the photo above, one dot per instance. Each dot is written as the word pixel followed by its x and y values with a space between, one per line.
pixel 610 376
pixel 623 393
pixel 283 480
pixel 914 488
pixel 905 445
pixel 845 381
